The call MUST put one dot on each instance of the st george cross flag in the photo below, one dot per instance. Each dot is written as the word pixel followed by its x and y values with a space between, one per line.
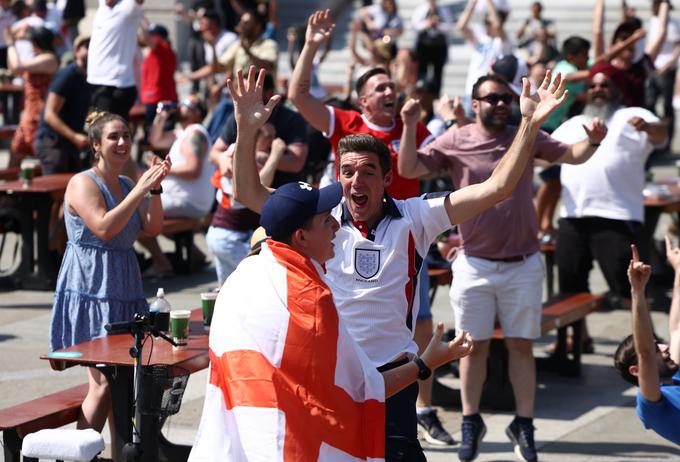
pixel 287 382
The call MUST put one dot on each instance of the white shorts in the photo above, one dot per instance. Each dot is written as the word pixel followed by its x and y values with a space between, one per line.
pixel 483 290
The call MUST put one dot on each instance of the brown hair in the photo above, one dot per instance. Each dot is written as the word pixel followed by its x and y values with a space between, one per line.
pixel 367 143
pixel 625 357
pixel 95 122
pixel 361 81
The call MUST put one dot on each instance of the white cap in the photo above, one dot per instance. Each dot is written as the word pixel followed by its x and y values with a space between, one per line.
pixel 160 292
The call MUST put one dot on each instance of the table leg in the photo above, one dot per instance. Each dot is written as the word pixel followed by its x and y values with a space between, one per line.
pixel 38 269
pixel 120 381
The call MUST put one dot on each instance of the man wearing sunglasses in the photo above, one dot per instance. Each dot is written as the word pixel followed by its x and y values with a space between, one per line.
pixel 645 362
pixel 499 272
pixel 187 191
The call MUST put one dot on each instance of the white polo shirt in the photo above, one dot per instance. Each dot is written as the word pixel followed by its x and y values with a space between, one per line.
pixel 374 274
pixel 113 44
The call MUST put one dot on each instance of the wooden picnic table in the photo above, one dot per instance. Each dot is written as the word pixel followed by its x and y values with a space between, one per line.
pixel 38 269
pixel 111 355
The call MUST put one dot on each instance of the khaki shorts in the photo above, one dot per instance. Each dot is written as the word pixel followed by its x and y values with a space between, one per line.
pixel 483 290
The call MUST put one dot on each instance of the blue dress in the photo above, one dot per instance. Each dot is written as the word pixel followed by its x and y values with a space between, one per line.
pixel 99 281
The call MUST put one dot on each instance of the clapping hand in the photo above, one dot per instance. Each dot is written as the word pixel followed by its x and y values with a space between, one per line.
pixel 249 110
pixel 548 97
pixel 639 272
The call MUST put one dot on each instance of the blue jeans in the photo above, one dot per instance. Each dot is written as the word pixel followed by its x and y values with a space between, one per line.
pixel 229 248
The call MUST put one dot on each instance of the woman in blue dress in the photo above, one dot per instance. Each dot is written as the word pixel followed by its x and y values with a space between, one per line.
pixel 99 281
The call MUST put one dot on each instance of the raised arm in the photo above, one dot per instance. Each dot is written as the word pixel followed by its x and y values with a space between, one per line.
pixel 495 19
pixel 598 28
pixel 251 114
pixel 319 29
pixel 673 255
pixel 408 163
pixel 473 199
pixel 654 45
pixel 463 23
pixel 643 329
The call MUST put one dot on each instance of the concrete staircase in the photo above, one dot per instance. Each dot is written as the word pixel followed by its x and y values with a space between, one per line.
pixel 571 17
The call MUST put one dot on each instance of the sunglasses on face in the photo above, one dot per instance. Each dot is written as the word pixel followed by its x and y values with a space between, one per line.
pixel 593 86
pixel 494 98
pixel 189 104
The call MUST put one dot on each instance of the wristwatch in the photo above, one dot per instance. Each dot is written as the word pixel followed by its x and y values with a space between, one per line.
pixel 424 372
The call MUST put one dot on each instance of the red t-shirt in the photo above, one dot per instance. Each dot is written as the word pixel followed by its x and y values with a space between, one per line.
pixel 345 123
pixel 158 75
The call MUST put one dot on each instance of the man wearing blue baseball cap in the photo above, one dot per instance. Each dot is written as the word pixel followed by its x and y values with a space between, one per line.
pixel 381 242
pixel 287 381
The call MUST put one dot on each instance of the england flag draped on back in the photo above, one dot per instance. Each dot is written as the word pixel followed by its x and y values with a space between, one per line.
pixel 286 381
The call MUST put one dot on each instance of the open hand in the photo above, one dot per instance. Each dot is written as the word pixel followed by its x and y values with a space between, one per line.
pixel 672 254
pixel 638 272
pixel 596 130
pixel 410 112
pixel 438 352
pixel 249 110
pixel 320 27
pixel 548 97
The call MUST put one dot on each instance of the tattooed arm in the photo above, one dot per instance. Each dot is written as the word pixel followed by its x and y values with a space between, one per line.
pixel 193 148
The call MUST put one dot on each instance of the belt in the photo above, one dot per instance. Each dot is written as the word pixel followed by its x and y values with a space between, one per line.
pixel 514 259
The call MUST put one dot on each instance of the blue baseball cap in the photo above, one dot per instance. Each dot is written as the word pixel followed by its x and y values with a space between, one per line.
pixel 291 205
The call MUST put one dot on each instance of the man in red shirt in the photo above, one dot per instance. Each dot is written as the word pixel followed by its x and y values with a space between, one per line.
pixel 377 100
pixel 158 73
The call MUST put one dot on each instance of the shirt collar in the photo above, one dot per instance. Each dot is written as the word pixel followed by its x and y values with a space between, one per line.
pixel 389 208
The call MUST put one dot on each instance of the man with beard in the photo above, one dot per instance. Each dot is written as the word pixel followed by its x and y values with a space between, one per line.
pixel 499 272
pixel 643 360
pixel 602 203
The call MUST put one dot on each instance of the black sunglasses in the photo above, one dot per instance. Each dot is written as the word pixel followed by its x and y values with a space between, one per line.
pixel 494 98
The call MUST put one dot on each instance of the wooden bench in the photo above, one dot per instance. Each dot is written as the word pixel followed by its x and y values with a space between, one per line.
pixel 51 411
pixel 181 232
pixel 558 313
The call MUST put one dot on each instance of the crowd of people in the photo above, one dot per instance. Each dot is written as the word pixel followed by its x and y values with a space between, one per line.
pixel 341 282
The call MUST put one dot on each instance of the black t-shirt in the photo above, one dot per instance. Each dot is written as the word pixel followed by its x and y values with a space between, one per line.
pixel 71 84
pixel 290 127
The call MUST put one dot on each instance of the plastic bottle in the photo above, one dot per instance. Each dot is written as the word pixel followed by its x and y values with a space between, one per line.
pixel 160 305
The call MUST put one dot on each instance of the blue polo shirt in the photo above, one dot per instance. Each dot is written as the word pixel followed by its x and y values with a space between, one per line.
pixel 663 416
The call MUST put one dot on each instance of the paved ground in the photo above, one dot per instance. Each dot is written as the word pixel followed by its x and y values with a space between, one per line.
pixel 591 418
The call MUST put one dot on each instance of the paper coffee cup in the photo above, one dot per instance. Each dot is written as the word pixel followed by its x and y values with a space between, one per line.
pixel 179 327
pixel 208 305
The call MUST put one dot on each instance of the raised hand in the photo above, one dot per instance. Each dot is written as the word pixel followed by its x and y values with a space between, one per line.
pixel 638 272
pixel 320 27
pixel 672 254
pixel 438 352
pixel 410 112
pixel 548 97
pixel 250 111
pixel 596 130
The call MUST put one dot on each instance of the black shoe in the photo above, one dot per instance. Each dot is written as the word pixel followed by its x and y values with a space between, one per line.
pixel 473 432
pixel 433 432
pixel 522 437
